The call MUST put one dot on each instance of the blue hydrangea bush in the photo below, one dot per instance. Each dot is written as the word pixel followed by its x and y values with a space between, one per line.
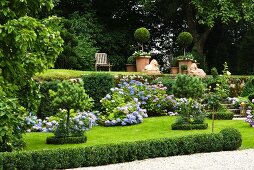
pixel 79 122
pixel 133 100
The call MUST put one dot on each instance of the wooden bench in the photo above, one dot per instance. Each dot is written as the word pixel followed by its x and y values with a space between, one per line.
pixel 101 60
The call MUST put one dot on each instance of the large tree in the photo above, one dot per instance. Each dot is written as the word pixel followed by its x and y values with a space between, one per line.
pixel 200 15
pixel 27 46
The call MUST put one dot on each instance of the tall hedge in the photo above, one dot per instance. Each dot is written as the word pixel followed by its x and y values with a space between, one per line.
pixel 98 85
pixel 114 153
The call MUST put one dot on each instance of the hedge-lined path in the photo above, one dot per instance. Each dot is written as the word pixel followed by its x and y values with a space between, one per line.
pixel 226 160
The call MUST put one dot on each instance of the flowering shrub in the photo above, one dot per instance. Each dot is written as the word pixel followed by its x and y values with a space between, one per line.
pixel 80 122
pixel 141 53
pixel 190 112
pixel 131 99
pixel 250 119
pixel 128 114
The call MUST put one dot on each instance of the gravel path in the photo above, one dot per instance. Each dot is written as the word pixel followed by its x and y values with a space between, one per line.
pixel 227 160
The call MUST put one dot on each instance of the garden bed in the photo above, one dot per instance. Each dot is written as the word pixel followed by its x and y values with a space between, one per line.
pixel 151 128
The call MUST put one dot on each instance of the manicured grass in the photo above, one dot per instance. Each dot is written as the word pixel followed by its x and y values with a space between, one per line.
pixel 151 128
pixel 68 74
pixel 63 74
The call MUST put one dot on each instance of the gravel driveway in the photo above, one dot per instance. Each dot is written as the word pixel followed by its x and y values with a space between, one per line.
pixel 226 160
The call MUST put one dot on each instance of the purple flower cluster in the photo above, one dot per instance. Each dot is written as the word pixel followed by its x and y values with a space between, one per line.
pixel 249 118
pixel 82 121
pixel 131 114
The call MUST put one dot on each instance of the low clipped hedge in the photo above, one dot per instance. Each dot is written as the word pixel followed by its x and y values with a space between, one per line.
pixel 227 139
pixel 65 140
pixel 221 115
pixel 176 126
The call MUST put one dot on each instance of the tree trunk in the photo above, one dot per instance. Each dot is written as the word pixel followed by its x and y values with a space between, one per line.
pixel 199 37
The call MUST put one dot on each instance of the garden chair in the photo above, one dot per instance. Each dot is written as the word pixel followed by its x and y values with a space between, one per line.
pixel 101 60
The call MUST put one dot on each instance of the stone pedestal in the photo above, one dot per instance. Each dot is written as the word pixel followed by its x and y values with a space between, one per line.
pixel 184 62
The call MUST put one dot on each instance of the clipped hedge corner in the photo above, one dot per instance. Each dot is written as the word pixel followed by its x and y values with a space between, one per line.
pixel 232 139
pixel 176 126
pixel 65 140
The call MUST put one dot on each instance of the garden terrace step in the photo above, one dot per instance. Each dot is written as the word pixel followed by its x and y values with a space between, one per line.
pixel 238 116
pixel 227 105
pixel 235 111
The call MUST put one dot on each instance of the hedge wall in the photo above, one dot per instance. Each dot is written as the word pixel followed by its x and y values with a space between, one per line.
pixel 227 139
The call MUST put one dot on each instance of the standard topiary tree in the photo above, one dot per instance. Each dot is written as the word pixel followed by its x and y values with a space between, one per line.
pixel 70 96
pixel 184 39
pixel 142 35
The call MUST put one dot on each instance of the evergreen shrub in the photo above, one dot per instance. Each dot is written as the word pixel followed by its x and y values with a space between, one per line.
pixel 166 81
pixel 176 126
pixel 222 114
pixel 97 86
pixel 248 88
pixel 46 108
pixel 232 139
pixel 65 140
pixel 65 158
pixel 188 87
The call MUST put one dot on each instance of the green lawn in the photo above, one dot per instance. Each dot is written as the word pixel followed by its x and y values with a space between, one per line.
pixel 156 127
pixel 68 74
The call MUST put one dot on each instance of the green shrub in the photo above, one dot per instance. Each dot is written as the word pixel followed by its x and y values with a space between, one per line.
pixel 188 87
pixel 112 153
pixel 166 81
pixel 142 35
pixel 218 82
pixel 184 39
pixel 232 139
pixel 46 108
pixel 55 140
pixel 131 60
pixel 70 96
pixel 248 88
pixel 214 72
pixel 184 67
pixel 98 85
pixel 176 126
pixel 222 114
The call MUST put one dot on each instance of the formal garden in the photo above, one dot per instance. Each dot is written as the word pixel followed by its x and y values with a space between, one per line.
pixel 67 99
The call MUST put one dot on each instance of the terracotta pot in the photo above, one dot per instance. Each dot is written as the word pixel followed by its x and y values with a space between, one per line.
pixel 184 62
pixel 174 70
pixel 141 62
pixel 131 67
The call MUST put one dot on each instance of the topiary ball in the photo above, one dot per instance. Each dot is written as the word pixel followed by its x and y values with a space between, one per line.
pixel 142 35
pixel 184 39
pixel 232 139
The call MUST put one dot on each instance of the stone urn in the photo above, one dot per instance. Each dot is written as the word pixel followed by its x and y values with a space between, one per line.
pixel 130 67
pixel 174 70
pixel 141 62
pixel 184 62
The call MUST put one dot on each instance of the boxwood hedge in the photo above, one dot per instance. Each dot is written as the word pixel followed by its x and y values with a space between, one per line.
pixel 227 139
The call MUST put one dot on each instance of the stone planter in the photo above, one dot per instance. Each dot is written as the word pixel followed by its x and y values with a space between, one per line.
pixel 184 62
pixel 141 62
pixel 184 71
pixel 174 70
pixel 130 67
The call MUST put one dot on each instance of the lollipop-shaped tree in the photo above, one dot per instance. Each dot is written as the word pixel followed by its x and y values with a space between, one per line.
pixel 184 39
pixel 142 35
